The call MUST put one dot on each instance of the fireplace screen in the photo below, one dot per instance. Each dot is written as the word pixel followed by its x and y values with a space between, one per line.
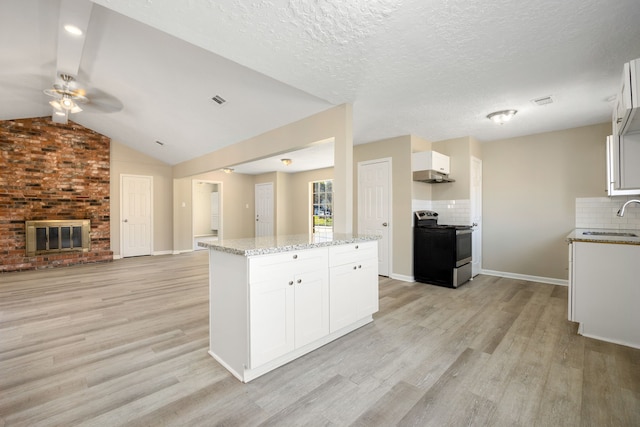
pixel 49 236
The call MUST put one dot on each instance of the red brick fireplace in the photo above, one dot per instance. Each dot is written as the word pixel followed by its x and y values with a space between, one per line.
pixel 50 171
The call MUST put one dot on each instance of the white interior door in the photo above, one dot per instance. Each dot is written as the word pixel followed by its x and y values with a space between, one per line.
pixel 136 215
pixel 476 215
pixel 264 209
pixel 374 203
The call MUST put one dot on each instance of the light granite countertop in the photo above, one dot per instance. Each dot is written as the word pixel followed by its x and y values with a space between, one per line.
pixel 578 235
pixel 274 244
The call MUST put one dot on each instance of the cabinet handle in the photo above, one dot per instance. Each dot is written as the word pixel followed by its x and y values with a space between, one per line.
pixel 295 257
pixel 619 120
pixel 354 267
pixel 290 282
pixel 359 266
pixel 357 246
pixel 299 281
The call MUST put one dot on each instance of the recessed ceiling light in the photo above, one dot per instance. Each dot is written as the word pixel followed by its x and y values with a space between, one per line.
pixel 286 162
pixel 72 29
pixel 227 170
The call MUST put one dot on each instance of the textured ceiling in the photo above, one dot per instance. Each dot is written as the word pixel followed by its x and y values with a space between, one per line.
pixel 432 69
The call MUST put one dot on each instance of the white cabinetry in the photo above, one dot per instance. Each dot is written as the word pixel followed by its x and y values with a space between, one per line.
pixel 215 210
pixel 625 117
pixel 623 172
pixel 604 291
pixel 267 310
pixel 352 270
pixel 289 303
pixel 430 160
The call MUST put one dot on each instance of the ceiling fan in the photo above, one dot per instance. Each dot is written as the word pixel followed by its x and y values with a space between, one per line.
pixel 66 97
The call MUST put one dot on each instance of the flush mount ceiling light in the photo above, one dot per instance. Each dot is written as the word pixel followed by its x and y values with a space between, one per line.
pixel 501 117
pixel 286 162
pixel 227 170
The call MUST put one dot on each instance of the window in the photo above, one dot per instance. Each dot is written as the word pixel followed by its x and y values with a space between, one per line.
pixel 322 206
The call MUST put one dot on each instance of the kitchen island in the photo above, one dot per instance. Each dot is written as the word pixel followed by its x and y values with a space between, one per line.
pixel 274 299
pixel 604 288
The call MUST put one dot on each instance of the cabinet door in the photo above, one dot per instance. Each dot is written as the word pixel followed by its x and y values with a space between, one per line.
pixel 343 296
pixel 440 162
pixel 271 320
pixel 353 290
pixel 368 279
pixel 623 175
pixel 311 306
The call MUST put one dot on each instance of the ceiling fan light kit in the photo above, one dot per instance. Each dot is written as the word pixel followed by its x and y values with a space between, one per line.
pixel 66 98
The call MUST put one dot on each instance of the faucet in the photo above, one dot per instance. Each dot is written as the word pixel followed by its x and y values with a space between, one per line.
pixel 621 211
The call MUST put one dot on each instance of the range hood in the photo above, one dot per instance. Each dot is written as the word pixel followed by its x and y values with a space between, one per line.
pixel 431 177
pixel 431 167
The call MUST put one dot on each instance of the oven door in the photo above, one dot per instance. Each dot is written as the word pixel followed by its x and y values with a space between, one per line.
pixel 463 247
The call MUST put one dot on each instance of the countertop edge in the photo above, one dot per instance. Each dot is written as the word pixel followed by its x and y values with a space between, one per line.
pixel 274 249
pixel 577 236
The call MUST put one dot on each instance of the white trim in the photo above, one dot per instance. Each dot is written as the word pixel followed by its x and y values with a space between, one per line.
pixel 389 160
pixel 539 279
pixel 194 182
pixel 607 339
pixel 181 252
pixel 155 253
pixel 116 257
pixel 402 277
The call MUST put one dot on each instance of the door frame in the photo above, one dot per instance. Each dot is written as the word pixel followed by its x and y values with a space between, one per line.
pixel 195 182
pixel 389 161
pixel 122 178
pixel 477 234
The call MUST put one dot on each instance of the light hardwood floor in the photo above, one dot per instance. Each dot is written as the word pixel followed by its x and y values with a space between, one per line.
pixel 125 343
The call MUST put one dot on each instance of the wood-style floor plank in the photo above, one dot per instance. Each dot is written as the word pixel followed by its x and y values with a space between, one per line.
pixel 125 344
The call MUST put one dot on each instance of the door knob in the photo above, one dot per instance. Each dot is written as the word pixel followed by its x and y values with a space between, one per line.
pixel 384 224
pixel 126 220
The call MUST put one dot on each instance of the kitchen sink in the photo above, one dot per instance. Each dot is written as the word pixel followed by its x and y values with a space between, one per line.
pixel 609 234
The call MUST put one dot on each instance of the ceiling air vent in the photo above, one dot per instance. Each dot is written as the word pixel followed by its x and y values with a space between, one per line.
pixel 542 101
pixel 219 100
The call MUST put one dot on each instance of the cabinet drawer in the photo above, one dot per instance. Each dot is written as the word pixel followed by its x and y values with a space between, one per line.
pixel 353 252
pixel 285 264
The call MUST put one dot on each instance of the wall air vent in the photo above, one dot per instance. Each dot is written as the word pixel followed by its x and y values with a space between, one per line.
pixel 542 101
pixel 219 100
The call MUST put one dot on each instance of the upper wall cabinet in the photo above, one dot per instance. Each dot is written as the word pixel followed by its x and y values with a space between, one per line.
pixel 623 173
pixel 430 167
pixel 625 117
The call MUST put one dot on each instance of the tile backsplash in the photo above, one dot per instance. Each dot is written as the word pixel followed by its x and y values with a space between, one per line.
pixel 452 212
pixel 600 212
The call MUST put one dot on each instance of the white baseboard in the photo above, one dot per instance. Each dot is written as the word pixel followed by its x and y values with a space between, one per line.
pixel 162 253
pixel 117 257
pixel 539 279
pixel 181 252
pixel 402 277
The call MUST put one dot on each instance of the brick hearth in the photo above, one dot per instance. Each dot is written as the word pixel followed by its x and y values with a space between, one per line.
pixel 52 171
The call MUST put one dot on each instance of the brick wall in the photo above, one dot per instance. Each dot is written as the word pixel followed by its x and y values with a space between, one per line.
pixel 52 171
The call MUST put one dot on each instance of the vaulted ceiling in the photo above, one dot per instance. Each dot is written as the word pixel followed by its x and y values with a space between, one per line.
pixel 433 69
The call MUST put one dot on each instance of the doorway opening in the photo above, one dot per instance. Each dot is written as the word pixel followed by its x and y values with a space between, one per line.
pixel 322 207
pixel 207 212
